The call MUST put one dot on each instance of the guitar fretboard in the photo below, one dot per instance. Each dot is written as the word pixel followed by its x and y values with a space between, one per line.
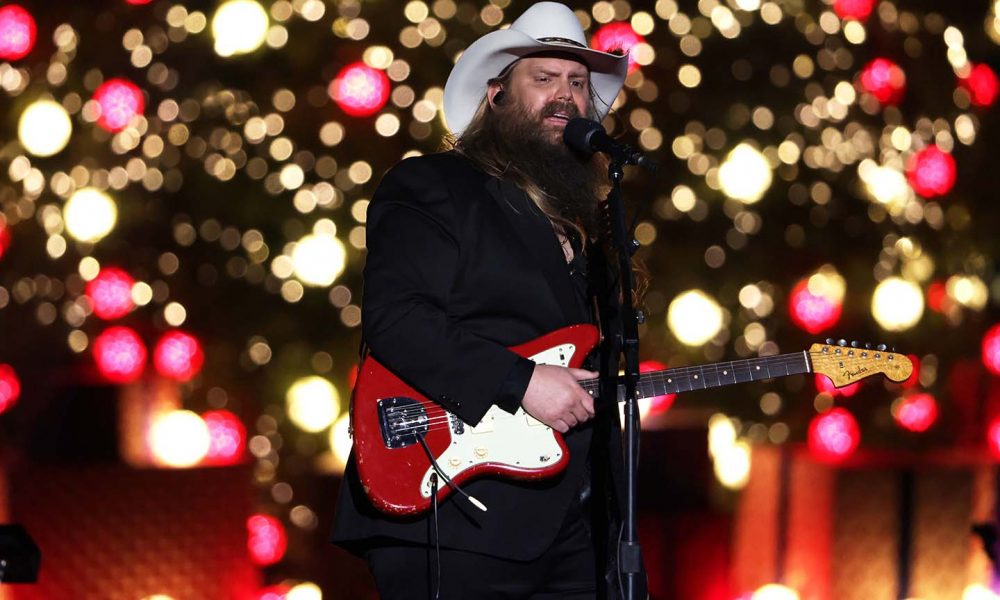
pixel 702 377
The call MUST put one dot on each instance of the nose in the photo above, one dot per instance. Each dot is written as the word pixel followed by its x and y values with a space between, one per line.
pixel 564 91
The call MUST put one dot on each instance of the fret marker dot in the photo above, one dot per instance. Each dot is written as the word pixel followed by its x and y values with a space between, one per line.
pixel 696 377
pixel 725 372
pixel 670 381
pixel 758 367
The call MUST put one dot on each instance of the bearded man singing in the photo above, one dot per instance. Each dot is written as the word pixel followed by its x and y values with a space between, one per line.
pixel 474 250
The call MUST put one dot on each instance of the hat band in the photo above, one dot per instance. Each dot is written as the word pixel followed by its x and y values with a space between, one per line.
pixel 561 40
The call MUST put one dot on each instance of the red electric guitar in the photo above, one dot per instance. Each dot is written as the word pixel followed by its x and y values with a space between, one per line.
pixel 388 417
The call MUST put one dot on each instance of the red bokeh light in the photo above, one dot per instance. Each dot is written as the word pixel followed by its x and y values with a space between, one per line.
pixel 274 592
pixel 993 437
pixel 916 412
pixel 885 80
pixel 120 354
pixel 17 32
pixel 111 293
pixel 178 355
pixel 834 435
pixel 931 172
pixel 10 387
pixel 360 90
pixel 811 312
pixel 137 2
pixel 266 539
pixel 657 404
pixel 914 379
pixel 120 100
pixel 227 436
pixel 991 349
pixel 824 384
pixel 937 297
pixel 982 85
pixel 4 236
pixel 859 10
pixel 615 37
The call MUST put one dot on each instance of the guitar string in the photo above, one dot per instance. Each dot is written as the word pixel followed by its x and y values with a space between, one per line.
pixel 781 360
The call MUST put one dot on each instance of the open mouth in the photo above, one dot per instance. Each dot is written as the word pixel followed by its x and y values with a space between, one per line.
pixel 558 117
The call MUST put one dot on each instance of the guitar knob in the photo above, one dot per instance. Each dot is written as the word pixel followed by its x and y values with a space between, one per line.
pixel 842 342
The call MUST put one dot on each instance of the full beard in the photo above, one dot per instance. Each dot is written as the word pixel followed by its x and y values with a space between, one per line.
pixel 570 180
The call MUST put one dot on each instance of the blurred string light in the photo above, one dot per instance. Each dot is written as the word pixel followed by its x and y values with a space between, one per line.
pixel 360 90
pixel 774 591
pixel 816 302
pixel 915 412
pixel 745 174
pixel 239 27
pixel 982 85
pixel 318 258
pixel 897 304
pixel 731 457
pixel 10 387
pixel 618 37
pixel 340 441
pixel 931 172
pixel 5 237
pixel 227 438
pixel 313 403
pixel 110 293
pixel 967 290
pixel 977 591
pixel 885 184
pixel 304 591
pixel 993 437
pixel 859 10
pixel 179 439
pixel 266 539
pixel 991 349
pixel 17 32
pixel 120 354
pixel 178 355
pixel 883 79
pixel 273 592
pixel 825 385
pixel 120 101
pixel 694 317
pixel 44 128
pixel 90 214
pixel 833 435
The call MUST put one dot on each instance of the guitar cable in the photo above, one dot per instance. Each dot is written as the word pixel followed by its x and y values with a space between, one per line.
pixel 437 536
pixel 430 456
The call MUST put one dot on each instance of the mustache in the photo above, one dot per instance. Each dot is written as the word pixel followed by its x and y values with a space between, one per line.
pixel 567 108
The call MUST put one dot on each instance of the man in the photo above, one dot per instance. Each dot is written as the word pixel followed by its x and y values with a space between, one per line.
pixel 474 250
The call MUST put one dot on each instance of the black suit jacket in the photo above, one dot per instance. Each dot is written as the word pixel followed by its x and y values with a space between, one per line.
pixel 461 265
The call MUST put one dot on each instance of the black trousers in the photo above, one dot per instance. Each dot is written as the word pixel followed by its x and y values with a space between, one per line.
pixel 566 570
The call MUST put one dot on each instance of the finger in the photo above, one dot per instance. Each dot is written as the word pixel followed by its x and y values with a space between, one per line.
pixel 582 374
pixel 588 404
pixel 560 426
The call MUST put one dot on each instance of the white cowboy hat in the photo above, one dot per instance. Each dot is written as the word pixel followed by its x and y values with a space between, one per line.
pixel 545 26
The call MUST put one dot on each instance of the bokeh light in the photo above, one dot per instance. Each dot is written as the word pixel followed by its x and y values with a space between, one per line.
pixel 90 214
pixel 694 317
pixel 731 465
pixel 834 435
pixel 313 403
pixel 775 591
pixel 120 354
pixel 991 349
pixel 884 184
pixel 360 90
pixel 305 591
pixel 884 80
pixel 721 434
pixel 977 591
pixel 178 355
pixel 274 592
pixel 239 27
pixel 120 101
pixel 993 437
pixel 110 293
pixel 859 10
pixel 318 259
pixel 816 302
pixel 179 439
pixel 266 539
pixel 5 237
pixel 825 385
pixel 897 304
pixel 931 172
pixel 10 387
pixel 618 37
pixel 745 174
pixel 17 32
pixel 227 438
pixel 982 85
pixel 340 441
pixel 915 412
pixel 44 128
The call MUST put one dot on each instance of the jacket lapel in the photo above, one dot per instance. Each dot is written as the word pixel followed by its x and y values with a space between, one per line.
pixel 535 232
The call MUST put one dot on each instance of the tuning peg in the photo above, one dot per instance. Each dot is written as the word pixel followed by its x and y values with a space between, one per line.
pixel 854 344
pixel 841 342
pixel 829 341
pixel 881 347
pixel 868 345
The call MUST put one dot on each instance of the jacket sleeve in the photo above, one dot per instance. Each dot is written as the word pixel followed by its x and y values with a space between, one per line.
pixel 414 250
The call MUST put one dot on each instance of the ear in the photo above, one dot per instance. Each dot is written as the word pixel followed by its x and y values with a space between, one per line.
pixel 494 94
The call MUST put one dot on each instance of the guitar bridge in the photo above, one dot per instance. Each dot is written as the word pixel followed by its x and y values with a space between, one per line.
pixel 402 421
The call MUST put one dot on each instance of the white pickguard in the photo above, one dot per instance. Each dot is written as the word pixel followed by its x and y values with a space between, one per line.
pixel 518 440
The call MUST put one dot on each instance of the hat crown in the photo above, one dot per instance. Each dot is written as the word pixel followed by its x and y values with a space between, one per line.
pixel 550 20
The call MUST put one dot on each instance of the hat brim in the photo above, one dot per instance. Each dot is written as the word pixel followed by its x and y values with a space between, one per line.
pixel 488 56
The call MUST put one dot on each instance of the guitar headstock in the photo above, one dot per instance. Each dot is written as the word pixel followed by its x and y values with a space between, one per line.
pixel 844 364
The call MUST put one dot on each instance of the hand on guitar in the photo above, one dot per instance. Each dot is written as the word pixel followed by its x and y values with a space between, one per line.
pixel 555 397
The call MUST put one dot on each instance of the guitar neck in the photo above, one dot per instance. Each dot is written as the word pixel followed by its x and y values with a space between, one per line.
pixel 703 377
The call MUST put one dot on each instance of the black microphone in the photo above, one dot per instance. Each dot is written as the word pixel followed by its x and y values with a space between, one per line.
pixel 586 136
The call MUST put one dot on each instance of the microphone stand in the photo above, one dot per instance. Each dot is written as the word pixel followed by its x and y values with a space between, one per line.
pixel 629 553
